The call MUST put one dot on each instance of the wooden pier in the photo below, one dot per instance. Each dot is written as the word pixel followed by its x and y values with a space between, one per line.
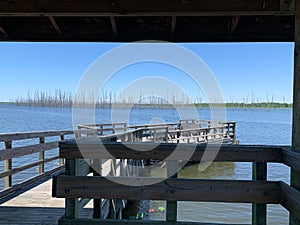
pixel 32 193
pixel 175 21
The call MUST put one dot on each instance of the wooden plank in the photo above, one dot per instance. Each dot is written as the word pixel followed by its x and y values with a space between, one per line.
pixel 152 125
pixel 169 189
pixel 27 135
pixel 136 7
pixel 83 221
pixel 27 150
pixel 114 28
pixel 290 199
pixel 28 166
pixel 295 174
pixel 93 148
pixel 54 24
pixel 259 211
pixel 97 210
pixel 291 158
pixel 234 22
pixel 71 210
pixel 173 25
pixel 7 165
pixel 3 32
pixel 171 213
pixel 41 156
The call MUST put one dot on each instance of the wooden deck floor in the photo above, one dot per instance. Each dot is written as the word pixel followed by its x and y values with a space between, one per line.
pixel 35 206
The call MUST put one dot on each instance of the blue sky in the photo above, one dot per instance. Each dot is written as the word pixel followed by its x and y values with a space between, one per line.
pixel 242 70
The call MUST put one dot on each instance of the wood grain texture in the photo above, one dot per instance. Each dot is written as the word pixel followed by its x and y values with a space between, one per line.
pixel 290 199
pixel 169 189
pixel 94 148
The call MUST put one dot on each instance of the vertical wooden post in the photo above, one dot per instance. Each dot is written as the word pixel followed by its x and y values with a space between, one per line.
pixel 7 166
pixel 61 160
pixel 71 209
pixel 97 212
pixel 295 175
pixel 171 214
pixel 259 211
pixel 42 156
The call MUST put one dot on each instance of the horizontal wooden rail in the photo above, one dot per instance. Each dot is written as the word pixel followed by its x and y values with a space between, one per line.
pixel 28 166
pixel 169 189
pixel 28 135
pixel 259 192
pixel 153 125
pixel 94 148
pixel 290 199
pixel 102 124
pixel 291 158
pixel 26 150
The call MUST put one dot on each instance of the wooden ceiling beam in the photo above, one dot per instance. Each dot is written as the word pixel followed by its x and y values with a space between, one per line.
pixel 144 8
pixel 54 24
pixel 114 26
pixel 3 32
pixel 173 25
pixel 234 22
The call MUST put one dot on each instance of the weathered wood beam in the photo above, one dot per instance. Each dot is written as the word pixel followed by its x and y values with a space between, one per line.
pixel 295 174
pixel 173 25
pixel 27 150
pixel 259 211
pixel 291 158
pixel 234 22
pixel 137 7
pixel 54 24
pixel 290 199
pixel 27 135
pixel 114 27
pixel 3 32
pixel 91 148
pixel 172 189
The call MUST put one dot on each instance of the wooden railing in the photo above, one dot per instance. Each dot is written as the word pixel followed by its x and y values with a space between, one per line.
pixel 185 131
pixel 24 144
pixel 257 191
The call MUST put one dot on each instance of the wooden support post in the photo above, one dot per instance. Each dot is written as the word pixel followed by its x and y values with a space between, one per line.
pixel 7 166
pixel 71 210
pixel 295 175
pixel 42 156
pixel 171 214
pixel 97 212
pixel 259 211
pixel 61 160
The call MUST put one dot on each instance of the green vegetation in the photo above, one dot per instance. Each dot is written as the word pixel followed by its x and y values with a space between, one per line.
pixel 250 105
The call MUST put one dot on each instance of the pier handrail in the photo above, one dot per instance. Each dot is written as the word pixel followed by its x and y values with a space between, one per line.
pixel 35 143
pixel 257 191
pixel 121 131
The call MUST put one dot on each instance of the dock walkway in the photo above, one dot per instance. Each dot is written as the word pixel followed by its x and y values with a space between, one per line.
pixel 35 206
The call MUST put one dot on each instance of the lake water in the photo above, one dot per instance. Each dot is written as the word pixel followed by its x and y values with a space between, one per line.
pixel 254 126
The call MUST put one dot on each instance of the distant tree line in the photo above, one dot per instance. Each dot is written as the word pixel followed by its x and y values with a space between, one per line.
pixel 107 99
